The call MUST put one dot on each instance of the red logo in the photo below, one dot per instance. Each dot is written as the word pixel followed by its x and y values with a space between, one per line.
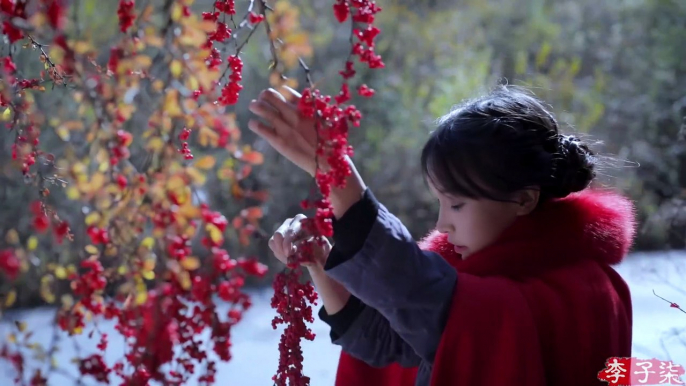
pixel 636 371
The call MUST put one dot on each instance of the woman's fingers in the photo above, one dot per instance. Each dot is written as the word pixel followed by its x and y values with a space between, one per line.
pixel 264 131
pixel 271 114
pixel 293 233
pixel 289 112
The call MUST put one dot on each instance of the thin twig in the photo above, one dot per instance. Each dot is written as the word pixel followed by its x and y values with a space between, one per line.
pixel 671 304
pixel 268 28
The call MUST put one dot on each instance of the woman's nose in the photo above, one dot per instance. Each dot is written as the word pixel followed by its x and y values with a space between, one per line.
pixel 444 227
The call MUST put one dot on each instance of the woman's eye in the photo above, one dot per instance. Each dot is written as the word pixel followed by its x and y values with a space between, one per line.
pixel 457 207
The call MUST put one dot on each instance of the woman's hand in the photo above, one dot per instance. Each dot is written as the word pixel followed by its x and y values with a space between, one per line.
pixel 290 235
pixel 287 131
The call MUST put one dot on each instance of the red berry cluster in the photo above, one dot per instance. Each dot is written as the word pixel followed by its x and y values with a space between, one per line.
pixel 40 222
pixel 254 18
pixel 95 366
pixel 125 12
pixel 120 147
pixel 11 9
pixel 98 235
pixel 25 145
pixel 291 303
pixel 332 123
pixel 9 264
pixel 56 9
pixel 116 53
pixel 226 6
pixel 232 88
pixel 185 150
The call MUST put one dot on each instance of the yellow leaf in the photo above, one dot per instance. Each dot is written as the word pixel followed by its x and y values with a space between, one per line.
pixel 32 243
pixel 190 263
pixel 141 297
pixel 155 144
pixel 149 264
pixel 82 47
pixel 73 193
pixel 47 295
pixel 92 218
pixel 215 234
pixel 67 301
pixel 71 125
pixel 175 182
pixel 12 338
pixel 206 25
pixel 63 133
pixel 153 40
pixel 143 61
pixel 122 270
pixel 12 237
pixel 196 177
pixel 110 250
pixel 11 298
pixel 97 181
pixel 60 273
pixel 206 162
pixel 176 12
pixel 297 38
pixel 103 167
pixel 148 242
pixel 148 275
pixel 207 137
pixel 176 67
pixel 185 280
pixel 171 104
pixel 188 210
pixel 6 114
pixel 21 326
pixel 92 249
pixel 158 84
pixel 193 83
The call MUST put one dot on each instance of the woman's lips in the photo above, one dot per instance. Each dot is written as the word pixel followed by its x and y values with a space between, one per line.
pixel 460 248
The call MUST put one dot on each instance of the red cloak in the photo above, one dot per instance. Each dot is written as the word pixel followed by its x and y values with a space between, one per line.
pixel 541 306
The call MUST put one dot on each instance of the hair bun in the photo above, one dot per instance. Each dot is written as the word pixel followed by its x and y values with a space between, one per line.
pixel 574 170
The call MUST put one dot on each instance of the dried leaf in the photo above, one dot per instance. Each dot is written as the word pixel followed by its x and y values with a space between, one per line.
pixel 11 298
pixel 176 67
pixel 252 213
pixel 12 237
pixel 215 234
pixel 206 162
pixel 92 249
pixel 60 273
pixel 92 218
pixel 190 263
pixel 32 243
pixel 148 275
pixel 252 157
pixel 148 242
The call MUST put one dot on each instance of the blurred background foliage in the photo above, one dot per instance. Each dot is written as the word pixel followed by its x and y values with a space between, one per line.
pixel 612 70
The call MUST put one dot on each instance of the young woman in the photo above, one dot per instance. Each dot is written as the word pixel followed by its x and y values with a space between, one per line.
pixel 513 287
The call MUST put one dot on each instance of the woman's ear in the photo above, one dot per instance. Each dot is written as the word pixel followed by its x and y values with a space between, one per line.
pixel 527 200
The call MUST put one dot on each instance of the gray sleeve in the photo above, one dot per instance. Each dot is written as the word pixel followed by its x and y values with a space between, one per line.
pixel 370 338
pixel 411 288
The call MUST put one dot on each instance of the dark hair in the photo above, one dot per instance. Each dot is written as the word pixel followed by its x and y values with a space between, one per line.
pixel 503 142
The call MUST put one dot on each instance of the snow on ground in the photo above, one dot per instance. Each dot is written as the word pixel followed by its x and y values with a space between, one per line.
pixel 255 352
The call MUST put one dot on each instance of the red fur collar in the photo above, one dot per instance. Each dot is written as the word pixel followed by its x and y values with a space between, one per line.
pixel 592 224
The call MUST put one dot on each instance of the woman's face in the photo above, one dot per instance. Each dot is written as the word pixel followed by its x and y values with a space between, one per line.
pixel 472 224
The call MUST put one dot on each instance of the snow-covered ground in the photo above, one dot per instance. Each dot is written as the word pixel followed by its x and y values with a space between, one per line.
pixel 255 352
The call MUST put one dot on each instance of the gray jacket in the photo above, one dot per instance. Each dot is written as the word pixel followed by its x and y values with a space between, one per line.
pixel 401 294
